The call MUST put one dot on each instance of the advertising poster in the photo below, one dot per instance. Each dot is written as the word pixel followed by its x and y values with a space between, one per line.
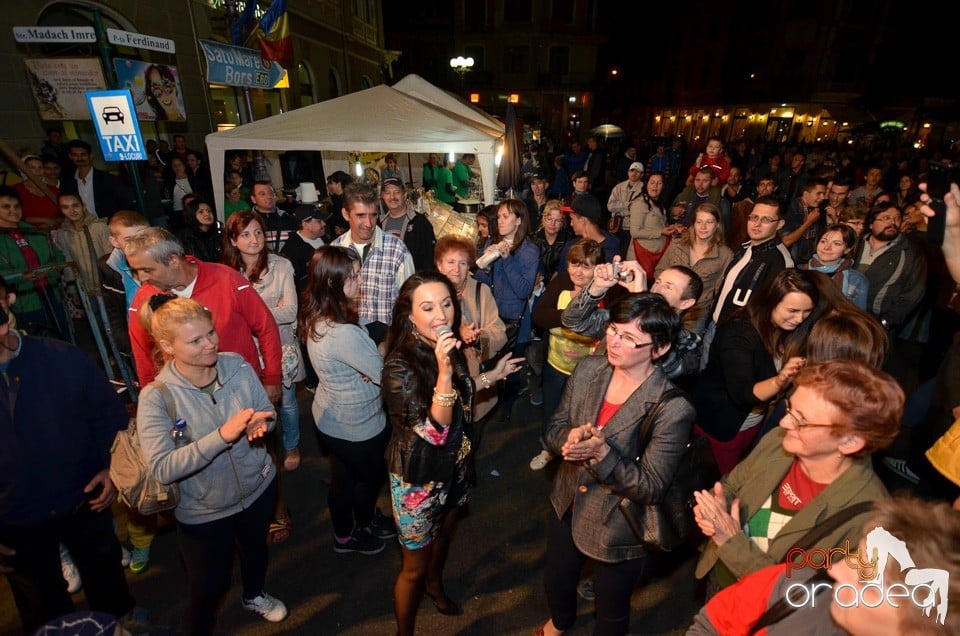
pixel 59 83
pixel 156 89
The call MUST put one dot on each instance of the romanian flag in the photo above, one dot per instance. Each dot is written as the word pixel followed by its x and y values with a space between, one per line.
pixel 274 33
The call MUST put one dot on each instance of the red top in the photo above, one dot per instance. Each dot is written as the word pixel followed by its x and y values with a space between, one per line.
pixel 37 206
pixel 239 316
pixel 720 167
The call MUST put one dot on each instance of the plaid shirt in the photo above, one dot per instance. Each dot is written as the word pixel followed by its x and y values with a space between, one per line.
pixel 388 264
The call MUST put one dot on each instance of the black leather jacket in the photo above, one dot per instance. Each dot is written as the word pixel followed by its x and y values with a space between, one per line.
pixel 408 453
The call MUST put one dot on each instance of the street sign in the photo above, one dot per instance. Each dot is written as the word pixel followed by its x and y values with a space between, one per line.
pixel 141 41
pixel 117 127
pixel 42 34
pixel 239 66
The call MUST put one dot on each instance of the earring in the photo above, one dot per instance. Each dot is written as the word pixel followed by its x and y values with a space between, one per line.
pixel 413 330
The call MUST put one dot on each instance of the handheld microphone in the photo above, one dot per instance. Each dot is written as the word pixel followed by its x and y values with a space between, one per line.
pixel 457 358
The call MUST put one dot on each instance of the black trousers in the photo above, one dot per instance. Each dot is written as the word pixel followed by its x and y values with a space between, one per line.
pixel 207 551
pixel 613 583
pixel 39 588
pixel 358 470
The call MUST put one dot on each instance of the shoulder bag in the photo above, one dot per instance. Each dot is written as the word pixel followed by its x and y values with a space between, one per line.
pixel 136 485
pixel 669 524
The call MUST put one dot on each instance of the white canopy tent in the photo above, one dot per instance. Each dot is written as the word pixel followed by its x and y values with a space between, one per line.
pixel 378 119
pixel 416 86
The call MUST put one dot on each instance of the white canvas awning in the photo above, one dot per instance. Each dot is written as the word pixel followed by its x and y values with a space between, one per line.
pixel 378 119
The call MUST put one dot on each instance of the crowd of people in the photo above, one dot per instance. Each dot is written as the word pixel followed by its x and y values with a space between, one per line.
pixel 765 312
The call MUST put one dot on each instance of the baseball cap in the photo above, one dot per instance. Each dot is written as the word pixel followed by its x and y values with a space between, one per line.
pixel 306 212
pixel 392 181
pixel 586 205
pixel 636 165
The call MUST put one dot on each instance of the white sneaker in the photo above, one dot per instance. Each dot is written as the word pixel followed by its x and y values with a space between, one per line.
pixel 124 556
pixel 266 606
pixel 540 461
pixel 70 572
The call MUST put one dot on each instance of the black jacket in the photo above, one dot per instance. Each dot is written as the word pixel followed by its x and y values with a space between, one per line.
pixel 765 261
pixel 109 193
pixel 299 253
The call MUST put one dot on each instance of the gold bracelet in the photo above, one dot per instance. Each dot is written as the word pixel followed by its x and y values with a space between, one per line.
pixel 444 399
pixel 484 381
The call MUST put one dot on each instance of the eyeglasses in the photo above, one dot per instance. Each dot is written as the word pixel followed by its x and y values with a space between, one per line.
pixel 166 86
pixel 766 220
pixel 801 423
pixel 627 339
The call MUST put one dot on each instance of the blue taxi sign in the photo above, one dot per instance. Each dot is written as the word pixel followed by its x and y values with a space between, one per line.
pixel 117 127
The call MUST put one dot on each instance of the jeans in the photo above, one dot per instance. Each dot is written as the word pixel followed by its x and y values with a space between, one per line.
pixel 207 552
pixel 613 583
pixel 290 416
pixel 37 582
pixel 358 470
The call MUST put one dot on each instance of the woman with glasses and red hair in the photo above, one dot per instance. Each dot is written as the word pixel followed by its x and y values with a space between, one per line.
pixel 815 465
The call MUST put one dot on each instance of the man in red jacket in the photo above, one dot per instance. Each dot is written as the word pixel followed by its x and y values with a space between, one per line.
pixel 239 314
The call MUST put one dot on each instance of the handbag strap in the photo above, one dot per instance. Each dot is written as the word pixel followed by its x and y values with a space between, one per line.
pixel 828 525
pixel 646 429
pixel 479 322
pixel 783 608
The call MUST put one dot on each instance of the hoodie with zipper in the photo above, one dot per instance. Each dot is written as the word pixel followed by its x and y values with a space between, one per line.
pixel 217 479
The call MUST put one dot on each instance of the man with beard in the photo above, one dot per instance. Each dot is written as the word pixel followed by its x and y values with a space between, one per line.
pixel 894 266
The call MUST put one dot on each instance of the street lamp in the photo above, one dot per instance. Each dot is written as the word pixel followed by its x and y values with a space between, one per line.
pixel 461 65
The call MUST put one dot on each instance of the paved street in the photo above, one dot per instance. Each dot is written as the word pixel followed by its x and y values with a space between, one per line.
pixel 495 568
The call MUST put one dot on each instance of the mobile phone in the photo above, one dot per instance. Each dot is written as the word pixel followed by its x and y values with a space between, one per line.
pixel 939 178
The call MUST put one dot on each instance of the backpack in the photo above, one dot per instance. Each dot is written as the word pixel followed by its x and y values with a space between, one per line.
pixel 136 485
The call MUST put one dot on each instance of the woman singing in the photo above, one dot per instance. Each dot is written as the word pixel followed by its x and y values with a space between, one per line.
pixel 429 404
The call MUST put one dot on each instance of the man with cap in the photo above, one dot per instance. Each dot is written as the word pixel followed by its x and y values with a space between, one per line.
pixel 400 219
pixel 619 203
pixel 585 214
pixel 301 244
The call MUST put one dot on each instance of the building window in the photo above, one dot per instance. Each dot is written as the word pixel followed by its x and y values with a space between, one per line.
pixel 474 15
pixel 516 10
pixel 561 11
pixel 516 59
pixel 305 79
pixel 559 60
pixel 336 90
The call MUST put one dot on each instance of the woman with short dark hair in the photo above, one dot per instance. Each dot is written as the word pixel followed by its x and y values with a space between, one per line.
pixel 596 431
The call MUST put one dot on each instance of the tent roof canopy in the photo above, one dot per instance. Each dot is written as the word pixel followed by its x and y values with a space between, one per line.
pixel 416 86
pixel 378 118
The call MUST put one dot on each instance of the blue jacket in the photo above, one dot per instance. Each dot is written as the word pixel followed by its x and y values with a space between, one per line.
pixel 512 279
pixel 56 431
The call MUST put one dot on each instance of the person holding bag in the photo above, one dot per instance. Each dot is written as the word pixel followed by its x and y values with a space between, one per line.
pixel 596 431
pixel 649 231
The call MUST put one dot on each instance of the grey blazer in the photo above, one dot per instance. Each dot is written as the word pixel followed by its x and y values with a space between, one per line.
pixel 599 531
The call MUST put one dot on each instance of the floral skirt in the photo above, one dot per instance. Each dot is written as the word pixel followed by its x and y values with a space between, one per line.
pixel 419 509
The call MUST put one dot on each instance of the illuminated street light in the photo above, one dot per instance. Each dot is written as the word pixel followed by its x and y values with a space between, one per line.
pixel 461 65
